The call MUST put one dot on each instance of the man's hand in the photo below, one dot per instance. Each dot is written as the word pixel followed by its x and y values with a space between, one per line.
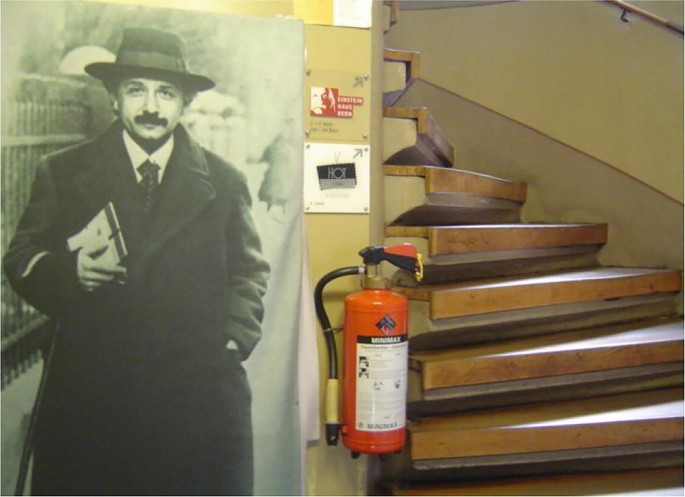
pixel 93 271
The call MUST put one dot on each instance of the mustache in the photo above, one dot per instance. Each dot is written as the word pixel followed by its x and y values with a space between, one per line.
pixel 148 118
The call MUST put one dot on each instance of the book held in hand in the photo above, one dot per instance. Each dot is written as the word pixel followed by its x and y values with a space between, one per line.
pixel 102 231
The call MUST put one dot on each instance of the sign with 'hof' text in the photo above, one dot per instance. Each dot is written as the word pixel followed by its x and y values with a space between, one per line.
pixel 336 177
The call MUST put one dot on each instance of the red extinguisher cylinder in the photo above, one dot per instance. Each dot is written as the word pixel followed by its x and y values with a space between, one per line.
pixel 375 371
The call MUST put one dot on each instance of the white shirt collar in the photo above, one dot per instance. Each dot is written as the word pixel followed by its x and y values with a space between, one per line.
pixel 138 155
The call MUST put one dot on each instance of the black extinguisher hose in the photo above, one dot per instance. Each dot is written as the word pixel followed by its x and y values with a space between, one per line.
pixel 332 410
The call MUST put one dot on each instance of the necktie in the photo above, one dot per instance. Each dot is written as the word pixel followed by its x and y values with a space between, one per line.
pixel 149 183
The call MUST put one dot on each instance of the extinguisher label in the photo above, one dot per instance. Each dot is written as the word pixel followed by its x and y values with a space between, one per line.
pixel 381 382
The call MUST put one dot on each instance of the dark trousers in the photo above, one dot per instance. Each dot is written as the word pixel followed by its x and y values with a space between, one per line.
pixel 165 446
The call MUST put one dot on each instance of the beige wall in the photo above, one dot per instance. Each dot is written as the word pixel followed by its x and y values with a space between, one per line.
pixel 335 239
pixel 570 69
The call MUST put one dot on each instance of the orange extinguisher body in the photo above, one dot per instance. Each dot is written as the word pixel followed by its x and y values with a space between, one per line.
pixel 375 353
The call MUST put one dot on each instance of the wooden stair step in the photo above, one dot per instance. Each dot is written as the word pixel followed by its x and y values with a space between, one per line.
pixel 413 136
pixel 620 458
pixel 460 241
pixel 451 180
pixel 426 334
pixel 642 354
pixel 429 195
pixel 547 389
pixel 627 431
pixel 653 482
pixel 505 294
pixel 494 309
pixel 634 344
pixel 453 253
pixel 400 70
pixel 626 419
pixel 508 264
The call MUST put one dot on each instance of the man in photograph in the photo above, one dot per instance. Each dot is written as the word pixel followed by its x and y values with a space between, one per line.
pixel 145 392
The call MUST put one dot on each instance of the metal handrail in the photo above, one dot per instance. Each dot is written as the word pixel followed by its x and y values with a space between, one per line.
pixel 626 7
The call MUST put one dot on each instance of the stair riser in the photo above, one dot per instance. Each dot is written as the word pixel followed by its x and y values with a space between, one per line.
pixel 394 80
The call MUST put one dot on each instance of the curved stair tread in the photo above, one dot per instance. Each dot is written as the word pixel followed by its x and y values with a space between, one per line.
pixel 611 381
pixel 612 421
pixel 515 293
pixel 466 252
pixel 429 334
pixel 468 239
pixel 582 351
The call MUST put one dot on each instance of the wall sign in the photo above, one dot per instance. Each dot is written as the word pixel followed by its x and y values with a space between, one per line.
pixel 336 178
pixel 338 106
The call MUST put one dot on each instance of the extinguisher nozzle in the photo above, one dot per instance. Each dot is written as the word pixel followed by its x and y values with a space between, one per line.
pixel 332 433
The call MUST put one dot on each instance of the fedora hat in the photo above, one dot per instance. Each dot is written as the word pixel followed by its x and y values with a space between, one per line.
pixel 152 53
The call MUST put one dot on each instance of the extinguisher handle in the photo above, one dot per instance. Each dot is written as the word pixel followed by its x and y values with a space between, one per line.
pixel 404 256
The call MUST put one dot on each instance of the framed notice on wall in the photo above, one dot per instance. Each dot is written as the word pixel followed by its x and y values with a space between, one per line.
pixel 336 178
pixel 338 109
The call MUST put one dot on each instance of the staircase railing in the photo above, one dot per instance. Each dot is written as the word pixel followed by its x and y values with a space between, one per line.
pixel 445 4
pixel 42 114
pixel 661 21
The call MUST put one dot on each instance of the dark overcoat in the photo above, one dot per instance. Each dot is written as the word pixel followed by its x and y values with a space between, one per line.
pixel 143 396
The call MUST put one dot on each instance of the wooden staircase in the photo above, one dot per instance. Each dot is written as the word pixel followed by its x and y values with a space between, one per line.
pixel 534 369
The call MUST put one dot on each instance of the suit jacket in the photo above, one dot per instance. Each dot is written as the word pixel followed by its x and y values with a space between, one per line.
pixel 143 367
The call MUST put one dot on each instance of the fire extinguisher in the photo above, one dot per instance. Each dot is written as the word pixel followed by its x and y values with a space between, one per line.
pixel 375 350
